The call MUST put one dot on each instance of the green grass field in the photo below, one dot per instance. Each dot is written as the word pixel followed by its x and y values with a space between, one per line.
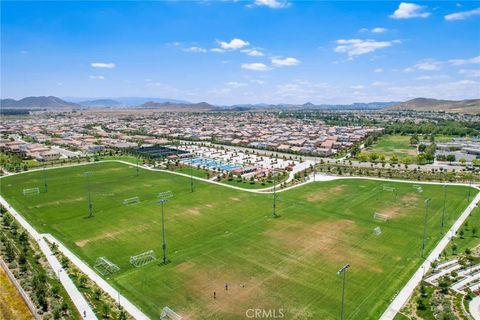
pixel 218 235
pixel 394 145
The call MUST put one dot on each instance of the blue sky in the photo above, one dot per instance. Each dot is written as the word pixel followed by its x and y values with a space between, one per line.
pixel 231 52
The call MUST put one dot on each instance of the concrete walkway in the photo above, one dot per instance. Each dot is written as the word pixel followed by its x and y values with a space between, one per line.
pixel 408 289
pixel 474 307
pixel 78 299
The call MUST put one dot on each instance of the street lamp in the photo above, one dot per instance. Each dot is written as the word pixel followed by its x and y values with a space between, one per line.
pixel 90 206
pixel 444 203
pixel 427 201
pixel 343 270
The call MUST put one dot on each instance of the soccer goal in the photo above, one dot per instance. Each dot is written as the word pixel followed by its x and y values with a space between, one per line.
pixel 418 188
pixel 377 231
pixel 29 191
pixel 131 200
pixel 143 258
pixel 387 188
pixel 105 266
pixel 169 314
pixel 380 216
pixel 165 195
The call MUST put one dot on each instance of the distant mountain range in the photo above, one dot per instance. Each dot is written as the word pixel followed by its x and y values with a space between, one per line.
pixel 37 103
pixel 162 104
pixel 425 104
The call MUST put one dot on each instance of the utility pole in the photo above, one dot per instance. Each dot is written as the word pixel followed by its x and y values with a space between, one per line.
pixel 163 199
pixel 427 201
pixel 343 270
pixel 444 203
pixel 90 206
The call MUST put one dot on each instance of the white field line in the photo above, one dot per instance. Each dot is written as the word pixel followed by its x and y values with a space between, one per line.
pixel 78 299
pixel 408 289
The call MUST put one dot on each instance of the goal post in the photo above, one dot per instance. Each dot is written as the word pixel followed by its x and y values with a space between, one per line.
pixel 105 266
pixel 377 231
pixel 387 188
pixel 380 216
pixel 418 188
pixel 165 194
pixel 143 258
pixel 29 191
pixel 169 314
pixel 132 200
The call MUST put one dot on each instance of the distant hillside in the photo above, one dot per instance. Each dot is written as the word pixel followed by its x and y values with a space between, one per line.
pixel 101 103
pixel 170 106
pixel 37 103
pixel 123 101
pixel 425 104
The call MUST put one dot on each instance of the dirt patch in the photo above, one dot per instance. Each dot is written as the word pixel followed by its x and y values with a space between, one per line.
pixel 193 211
pixel 58 202
pixel 410 198
pixel 326 194
pixel 234 199
pixel 209 205
pixel 111 235
pixel 330 240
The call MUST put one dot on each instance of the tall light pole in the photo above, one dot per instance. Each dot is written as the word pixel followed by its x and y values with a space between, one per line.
pixel 469 188
pixel 191 175
pixel 343 270
pixel 90 206
pixel 274 213
pixel 427 201
pixel 45 183
pixel 444 203
pixel 163 199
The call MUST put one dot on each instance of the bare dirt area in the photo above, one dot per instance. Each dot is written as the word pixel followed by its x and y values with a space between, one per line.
pixel 12 306
pixel 326 194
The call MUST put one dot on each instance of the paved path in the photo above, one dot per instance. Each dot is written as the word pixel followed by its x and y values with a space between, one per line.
pixel 475 308
pixel 78 299
pixel 407 290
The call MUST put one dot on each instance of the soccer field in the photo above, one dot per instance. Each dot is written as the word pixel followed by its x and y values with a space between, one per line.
pixel 219 235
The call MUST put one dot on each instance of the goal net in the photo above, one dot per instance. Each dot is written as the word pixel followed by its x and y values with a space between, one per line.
pixel 169 314
pixel 377 231
pixel 105 266
pixel 418 188
pixel 143 258
pixel 380 216
pixel 165 195
pixel 28 191
pixel 131 200
pixel 387 188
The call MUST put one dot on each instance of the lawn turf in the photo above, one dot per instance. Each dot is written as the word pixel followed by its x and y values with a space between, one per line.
pixel 218 235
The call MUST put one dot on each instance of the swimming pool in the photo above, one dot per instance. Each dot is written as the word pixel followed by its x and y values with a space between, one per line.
pixel 211 164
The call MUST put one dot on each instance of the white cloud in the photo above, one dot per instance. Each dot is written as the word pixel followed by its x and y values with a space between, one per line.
pixel 364 30
pixel 460 62
pixel 434 77
pixel 217 50
pixel 274 4
pixel 462 15
pixel 378 70
pixel 102 65
pixel 253 52
pixel 234 44
pixel 258 81
pixel 410 10
pixel 379 84
pixel 256 66
pixel 357 87
pixel 237 84
pixel 284 62
pixel 379 30
pixel 195 49
pixel 356 47
pixel 97 77
pixel 428 65
pixel 473 73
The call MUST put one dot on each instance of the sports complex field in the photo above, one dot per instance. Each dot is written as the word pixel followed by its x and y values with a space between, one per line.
pixel 219 235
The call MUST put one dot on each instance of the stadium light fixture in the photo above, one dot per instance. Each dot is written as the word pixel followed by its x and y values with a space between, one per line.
pixel 445 187
pixel 427 201
pixel 163 199
pixel 343 270
pixel 90 205
pixel 45 182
